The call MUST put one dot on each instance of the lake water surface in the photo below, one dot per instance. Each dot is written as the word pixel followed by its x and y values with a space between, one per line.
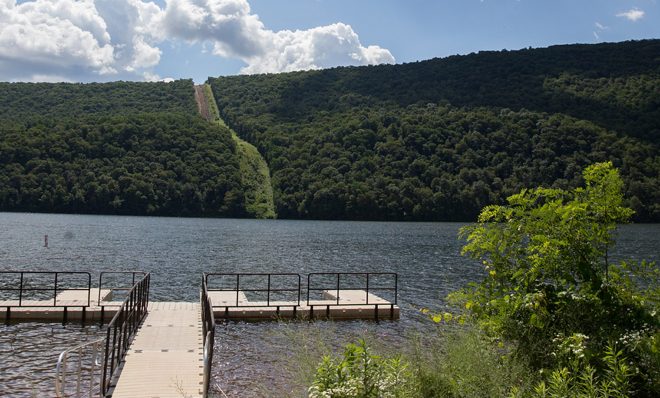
pixel 178 250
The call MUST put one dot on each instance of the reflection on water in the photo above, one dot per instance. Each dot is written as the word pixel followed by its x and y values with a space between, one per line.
pixel 177 251
pixel 29 352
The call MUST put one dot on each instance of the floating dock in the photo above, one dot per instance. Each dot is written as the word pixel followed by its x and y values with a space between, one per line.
pixel 166 357
pixel 165 349
pixel 68 305
pixel 346 305
pixel 71 306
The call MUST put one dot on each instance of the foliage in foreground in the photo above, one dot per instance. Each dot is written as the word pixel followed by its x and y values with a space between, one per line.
pixel 551 291
pixel 359 373
pixel 451 363
pixel 555 317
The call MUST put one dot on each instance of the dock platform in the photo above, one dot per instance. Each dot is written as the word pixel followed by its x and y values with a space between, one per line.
pixel 166 356
pixel 68 305
pixel 349 304
pixel 165 349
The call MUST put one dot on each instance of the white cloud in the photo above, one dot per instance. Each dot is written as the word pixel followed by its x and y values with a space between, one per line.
pixel 237 33
pixel 633 14
pixel 599 28
pixel 53 37
pixel 45 40
pixel 114 39
pixel 316 48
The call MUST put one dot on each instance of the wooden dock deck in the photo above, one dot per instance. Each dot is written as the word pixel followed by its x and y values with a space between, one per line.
pixel 166 357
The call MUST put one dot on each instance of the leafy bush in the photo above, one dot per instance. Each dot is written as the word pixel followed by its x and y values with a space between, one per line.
pixel 360 374
pixel 551 290
pixel 581 381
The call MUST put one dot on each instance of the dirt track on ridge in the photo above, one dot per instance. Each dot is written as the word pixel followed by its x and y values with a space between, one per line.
pixel 202 104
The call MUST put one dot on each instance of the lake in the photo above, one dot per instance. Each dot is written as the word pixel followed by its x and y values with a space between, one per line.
pixel 178 250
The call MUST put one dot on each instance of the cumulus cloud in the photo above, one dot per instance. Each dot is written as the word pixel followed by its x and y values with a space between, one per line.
pixel 237 33
pixel 316 48
pixel 46 40
pixel 633 14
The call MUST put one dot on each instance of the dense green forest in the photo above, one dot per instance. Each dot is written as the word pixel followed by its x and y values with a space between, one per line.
pixel 19 101
pixel 439 139
pixel 431 140
pixel 116 148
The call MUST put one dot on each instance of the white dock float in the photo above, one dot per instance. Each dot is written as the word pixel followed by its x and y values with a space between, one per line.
pixel 71 301
pixel 352 304
pixel 166 357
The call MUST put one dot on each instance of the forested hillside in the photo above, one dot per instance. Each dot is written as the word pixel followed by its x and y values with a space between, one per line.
pixel 439 139
pixel 115 148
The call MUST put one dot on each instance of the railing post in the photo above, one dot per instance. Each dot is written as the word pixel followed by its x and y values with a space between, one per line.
pixel 294 308
pixel 105 363
pixel 20 292
pixel 309 278
pixel 337 289
pixel 238 278
pixel 55 291
pixel 89 289
pixel 100 286
pixel 396 288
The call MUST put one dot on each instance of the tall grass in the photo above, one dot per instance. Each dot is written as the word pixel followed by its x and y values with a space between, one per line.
pixel 463 362
pixel 457 362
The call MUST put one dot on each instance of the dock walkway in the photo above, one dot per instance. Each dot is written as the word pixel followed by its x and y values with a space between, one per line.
pixel 166 356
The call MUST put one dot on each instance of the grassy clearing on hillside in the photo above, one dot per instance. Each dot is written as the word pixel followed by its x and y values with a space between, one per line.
pixel 255 178
pixel 255 175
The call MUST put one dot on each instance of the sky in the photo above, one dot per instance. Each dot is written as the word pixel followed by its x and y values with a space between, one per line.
pixel 109 40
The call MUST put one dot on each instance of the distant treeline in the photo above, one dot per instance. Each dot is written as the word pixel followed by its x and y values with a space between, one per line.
pixel 116 148
pixel 439 139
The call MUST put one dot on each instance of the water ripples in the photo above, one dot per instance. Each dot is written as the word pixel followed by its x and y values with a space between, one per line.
pixel 29 352
pixel 251 359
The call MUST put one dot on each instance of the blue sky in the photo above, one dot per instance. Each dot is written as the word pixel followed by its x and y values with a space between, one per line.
pixel 139 39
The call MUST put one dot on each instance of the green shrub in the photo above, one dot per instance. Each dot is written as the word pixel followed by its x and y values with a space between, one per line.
pixel 361 374
pixel 581 380
pixel 551 291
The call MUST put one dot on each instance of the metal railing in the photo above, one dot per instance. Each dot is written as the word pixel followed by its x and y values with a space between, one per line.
pixel 85 360
pixel 270 289
pixel 332 282
pixel 122 328
pixel 26 294
pixel 208 331
pixel 124 287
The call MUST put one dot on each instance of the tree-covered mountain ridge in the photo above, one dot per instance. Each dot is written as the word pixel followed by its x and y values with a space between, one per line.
pixel 114 148
pixel 439 139
pixel 430 140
